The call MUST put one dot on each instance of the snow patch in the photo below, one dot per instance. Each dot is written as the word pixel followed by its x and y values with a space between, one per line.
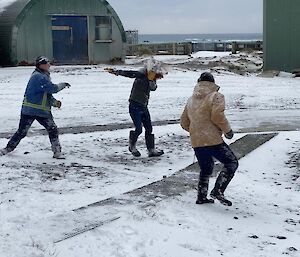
pixel 206 54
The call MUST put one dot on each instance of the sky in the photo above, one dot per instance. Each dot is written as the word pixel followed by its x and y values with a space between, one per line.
pixel 191 16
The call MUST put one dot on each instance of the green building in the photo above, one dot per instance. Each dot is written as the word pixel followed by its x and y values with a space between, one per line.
pixel 67 31
pixel 282 35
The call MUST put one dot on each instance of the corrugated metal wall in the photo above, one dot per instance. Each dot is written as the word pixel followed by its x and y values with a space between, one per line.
pixel 32 34
pixel 281 35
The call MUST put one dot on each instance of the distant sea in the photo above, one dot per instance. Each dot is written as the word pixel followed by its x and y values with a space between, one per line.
pixel 167 38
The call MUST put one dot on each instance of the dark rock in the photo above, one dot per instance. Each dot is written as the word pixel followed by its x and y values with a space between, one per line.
pixel 281 237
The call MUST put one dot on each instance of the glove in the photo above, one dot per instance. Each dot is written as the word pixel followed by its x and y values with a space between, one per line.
pixel 111 71
pixel 67 85
pixel 159 76
pixel 62 86
pixel 229 135
pixel 57 104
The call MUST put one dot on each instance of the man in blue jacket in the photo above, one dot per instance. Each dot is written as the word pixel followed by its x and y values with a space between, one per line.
pixel 37 104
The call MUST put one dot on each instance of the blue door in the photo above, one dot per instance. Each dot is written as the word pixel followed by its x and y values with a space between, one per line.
pixel 70 39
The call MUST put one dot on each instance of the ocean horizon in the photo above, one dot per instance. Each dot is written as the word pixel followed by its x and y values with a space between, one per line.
pixel 170 38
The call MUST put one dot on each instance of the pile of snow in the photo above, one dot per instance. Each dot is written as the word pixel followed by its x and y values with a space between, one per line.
pixel 242 63
pixel 206 54
pixel 284 74
pixel 167 59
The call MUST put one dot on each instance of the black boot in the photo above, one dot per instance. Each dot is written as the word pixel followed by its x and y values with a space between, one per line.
pixel 204 200
pixel 4 151
pixel 132 144
pixel 56 148
pixel 222 182
pixel 152 152
pixel 202 191
pixel 217 194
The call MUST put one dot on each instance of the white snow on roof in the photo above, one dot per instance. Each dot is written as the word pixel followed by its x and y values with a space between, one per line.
pixel 4 4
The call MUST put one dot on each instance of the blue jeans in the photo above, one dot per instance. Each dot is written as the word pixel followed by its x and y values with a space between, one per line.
pixel 25 124
pixel 141 117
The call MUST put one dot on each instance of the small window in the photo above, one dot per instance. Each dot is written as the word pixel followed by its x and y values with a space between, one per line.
pixel 103 28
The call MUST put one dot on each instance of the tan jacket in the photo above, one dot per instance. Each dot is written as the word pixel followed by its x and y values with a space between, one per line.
pixel 204 116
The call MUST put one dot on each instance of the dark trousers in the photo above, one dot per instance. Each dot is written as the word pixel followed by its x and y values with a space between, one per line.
pixel 25 124
pixel 141 117
pixel 205 156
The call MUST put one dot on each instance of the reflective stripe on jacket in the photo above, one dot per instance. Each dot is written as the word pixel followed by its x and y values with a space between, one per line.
pixel 43 106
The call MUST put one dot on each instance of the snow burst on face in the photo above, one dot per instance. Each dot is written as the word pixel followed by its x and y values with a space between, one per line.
pixel 155 66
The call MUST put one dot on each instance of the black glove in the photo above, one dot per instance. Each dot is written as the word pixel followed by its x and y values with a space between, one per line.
pixel 67 85
pixel 112 71
pixel 229 135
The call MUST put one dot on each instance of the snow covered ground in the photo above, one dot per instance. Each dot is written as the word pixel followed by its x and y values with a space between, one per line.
pixel 264 220
pixel 100 98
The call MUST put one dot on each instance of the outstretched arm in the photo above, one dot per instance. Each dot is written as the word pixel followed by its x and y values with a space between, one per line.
pixel 128 74
pixel 47 86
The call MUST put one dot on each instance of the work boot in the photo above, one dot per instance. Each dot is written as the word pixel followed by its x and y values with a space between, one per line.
pixel 222 183
pixel 202 191
pixel 223 180
pixel 204 201
pixel 132 144
pixel 217 194
pixel 59 155
pixel 152 152
pixel 4 151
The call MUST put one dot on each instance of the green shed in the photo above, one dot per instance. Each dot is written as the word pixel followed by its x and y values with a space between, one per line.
pixel 282 35
pixel 67 31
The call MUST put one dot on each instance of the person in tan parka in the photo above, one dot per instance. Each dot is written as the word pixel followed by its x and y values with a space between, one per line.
pixel 203 117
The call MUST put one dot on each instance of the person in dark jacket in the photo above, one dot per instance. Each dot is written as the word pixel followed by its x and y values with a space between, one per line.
pixel 144 83
pixel 37 104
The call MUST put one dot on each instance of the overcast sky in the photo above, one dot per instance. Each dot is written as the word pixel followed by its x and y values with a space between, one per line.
pixel 190 16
